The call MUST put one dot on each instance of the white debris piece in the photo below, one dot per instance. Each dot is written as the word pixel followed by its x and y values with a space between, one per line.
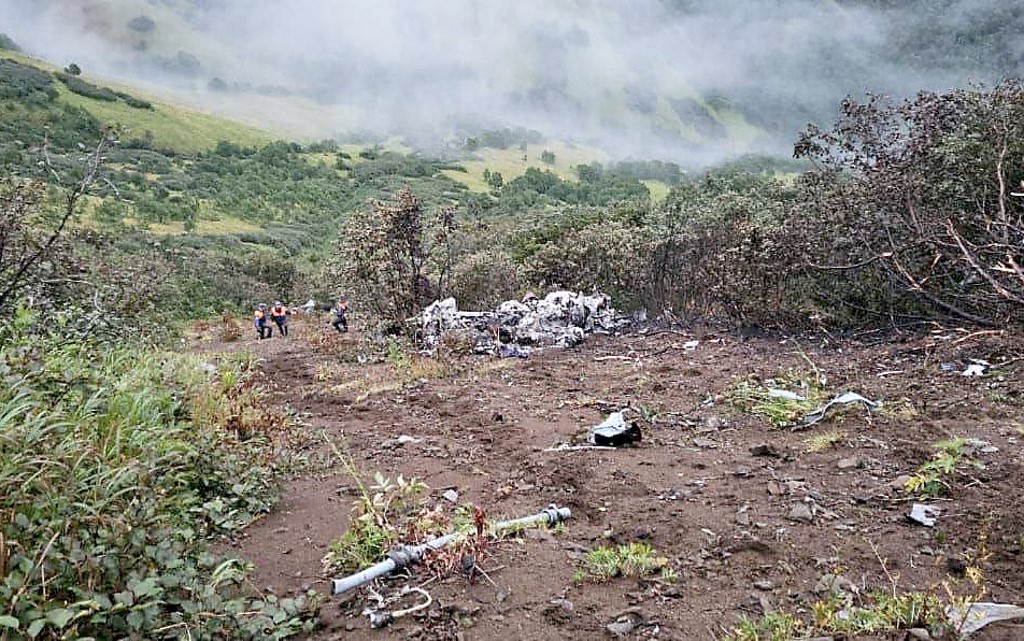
pixel 977 367
pixel 843 399
pixel 561 318
pixel 976 616
pixel 926 515
pixel 786 394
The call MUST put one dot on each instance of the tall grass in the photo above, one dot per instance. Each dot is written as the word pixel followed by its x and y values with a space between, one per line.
pixel 116 465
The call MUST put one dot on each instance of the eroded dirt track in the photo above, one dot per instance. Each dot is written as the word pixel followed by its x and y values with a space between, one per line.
pixel 698 489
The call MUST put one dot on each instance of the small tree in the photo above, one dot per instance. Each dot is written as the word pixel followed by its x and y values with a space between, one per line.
pixel 385 257
pixel 73 70
pixel 28 238
pixel 547 157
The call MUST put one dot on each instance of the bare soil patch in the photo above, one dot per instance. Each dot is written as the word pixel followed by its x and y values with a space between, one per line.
pixel 698 488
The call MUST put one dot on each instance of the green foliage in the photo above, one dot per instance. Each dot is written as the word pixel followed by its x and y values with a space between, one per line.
pixel 913 198
pixel 547 157
pixel 775 399
pixel 22 81
pixel 118 465
pixel 76 85
pixel 379 521
pixel 773 626
pixel 881 613
pixel 634 560
pixel 932 478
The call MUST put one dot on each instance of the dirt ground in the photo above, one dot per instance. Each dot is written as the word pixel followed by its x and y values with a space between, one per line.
pixel 698 488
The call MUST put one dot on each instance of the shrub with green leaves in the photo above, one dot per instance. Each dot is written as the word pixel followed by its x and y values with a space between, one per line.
pixel 115 469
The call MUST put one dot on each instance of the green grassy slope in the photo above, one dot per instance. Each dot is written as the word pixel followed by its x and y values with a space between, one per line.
pixel 172 126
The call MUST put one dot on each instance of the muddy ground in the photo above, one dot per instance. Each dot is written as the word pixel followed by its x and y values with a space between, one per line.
pixel 698 488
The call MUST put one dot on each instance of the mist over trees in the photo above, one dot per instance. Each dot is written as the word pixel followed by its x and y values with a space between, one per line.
pixel 683 80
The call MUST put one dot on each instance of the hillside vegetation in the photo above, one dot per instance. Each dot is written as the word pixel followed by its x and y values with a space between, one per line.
pixel 125 220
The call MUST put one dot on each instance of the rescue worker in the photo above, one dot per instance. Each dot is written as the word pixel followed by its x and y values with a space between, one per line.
pixel 279 314
pixel 260 322
pixel 340 310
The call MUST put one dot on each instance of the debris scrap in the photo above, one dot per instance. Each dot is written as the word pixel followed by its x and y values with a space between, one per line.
pixel 926 515
pixel 561 318
pixel 614 431
pixel 976 616
pixel 843 399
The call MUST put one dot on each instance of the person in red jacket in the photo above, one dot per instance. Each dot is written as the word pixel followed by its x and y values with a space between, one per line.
pixel 279 314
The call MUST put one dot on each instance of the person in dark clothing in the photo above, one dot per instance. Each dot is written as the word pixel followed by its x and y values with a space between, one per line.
pixel 260 322
pixel 279 314
pixel 340 312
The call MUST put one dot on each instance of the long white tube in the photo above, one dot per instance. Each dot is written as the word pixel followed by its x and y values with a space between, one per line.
pixel 405 555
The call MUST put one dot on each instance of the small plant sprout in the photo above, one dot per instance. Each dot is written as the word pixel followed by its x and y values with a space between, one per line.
pixel 630 560
pixel 825 440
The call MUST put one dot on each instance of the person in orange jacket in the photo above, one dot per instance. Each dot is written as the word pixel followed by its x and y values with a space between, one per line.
pixel 259 322
pixel 279 314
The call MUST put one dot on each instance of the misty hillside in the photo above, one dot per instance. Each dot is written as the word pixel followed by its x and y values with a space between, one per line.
pixel 680 79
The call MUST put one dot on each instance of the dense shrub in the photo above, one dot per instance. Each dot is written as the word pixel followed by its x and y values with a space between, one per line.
pixel 118 466
pixel 483 279
pixel 87 89
pixel 20 81
pixel 919 195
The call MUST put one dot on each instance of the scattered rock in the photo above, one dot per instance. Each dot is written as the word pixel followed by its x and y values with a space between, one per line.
pixel 742 471
pixel 764 584
pixel 801 513
pixel 900 482
pixel 704 443
pixel 621 629
pixel 956 566
pixel 849 463
pixel 775 488
pixel 451 496
pixel 765 449
pixel 835 584
pixel 559 612
pixel 920 634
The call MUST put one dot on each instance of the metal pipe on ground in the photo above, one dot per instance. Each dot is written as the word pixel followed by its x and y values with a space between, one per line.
pixel 404 555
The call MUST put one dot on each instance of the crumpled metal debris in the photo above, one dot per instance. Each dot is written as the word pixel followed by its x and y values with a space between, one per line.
pixel 843 399
pixel 978 615
pixel 614 431
pixel 925 515
pixel 976 368
pixel 561 318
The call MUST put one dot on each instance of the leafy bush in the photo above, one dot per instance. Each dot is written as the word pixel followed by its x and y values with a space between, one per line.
pixel 486 278
pixel 18 81
pixel 87 89
pixel 918 195
pixel 118 465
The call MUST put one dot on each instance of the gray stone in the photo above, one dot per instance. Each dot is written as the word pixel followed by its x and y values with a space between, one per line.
pixel 849 463
pixel 764 584
pixel 801 513
pixel 451 495
pixel 621 629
